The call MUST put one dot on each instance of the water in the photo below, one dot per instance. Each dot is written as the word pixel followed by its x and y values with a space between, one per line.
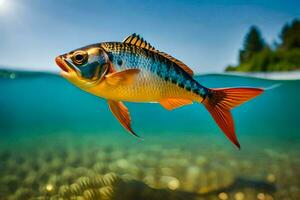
pixel 53 135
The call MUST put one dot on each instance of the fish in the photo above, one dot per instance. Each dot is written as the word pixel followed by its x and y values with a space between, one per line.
pixel 134 71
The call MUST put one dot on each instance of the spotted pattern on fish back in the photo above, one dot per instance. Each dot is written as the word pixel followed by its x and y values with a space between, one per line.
pixel 126 56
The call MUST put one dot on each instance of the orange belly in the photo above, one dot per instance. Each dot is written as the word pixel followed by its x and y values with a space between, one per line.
pixel 147 87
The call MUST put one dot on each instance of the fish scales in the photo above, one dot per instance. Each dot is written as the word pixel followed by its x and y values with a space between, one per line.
pixel 126 56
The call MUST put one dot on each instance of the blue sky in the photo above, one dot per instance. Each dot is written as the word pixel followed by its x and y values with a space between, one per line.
pixel 204 35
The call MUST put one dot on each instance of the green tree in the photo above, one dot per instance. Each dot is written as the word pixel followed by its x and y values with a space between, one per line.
pixel 290 36
pixel 253 44
pixel 256 55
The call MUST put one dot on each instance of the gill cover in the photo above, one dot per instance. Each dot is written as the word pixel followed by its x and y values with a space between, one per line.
pixel 85 66
pixel 92 63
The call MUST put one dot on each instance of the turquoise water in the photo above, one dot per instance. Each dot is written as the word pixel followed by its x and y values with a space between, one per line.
pixel 43 101
pixel 44 113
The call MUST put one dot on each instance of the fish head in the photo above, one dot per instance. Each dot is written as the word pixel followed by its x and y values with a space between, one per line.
pixel 84 67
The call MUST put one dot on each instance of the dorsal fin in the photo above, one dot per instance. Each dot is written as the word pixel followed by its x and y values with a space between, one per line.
pixel 137 40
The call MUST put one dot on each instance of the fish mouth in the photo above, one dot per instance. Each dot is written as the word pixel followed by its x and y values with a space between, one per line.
pixel 62 63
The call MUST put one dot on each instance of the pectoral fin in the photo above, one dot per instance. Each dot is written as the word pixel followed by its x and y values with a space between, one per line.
pixel 121 112
pixel 173 103
pixel 122 77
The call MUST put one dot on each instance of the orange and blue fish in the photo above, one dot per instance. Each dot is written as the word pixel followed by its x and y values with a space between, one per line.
pixel 134 71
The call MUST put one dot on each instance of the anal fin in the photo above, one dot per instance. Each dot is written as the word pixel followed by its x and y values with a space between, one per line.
pixel 173 103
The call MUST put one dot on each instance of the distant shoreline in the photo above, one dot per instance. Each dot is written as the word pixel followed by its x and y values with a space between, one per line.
pixel 291 75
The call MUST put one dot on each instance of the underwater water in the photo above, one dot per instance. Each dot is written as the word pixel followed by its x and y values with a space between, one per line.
pixel 58 142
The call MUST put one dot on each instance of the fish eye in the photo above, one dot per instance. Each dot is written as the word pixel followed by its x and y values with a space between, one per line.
pixel 79 57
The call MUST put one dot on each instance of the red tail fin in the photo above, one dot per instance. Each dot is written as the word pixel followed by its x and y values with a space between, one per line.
pixel 220 101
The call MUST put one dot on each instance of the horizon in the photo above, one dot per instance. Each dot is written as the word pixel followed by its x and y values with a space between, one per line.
pixel 206 36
